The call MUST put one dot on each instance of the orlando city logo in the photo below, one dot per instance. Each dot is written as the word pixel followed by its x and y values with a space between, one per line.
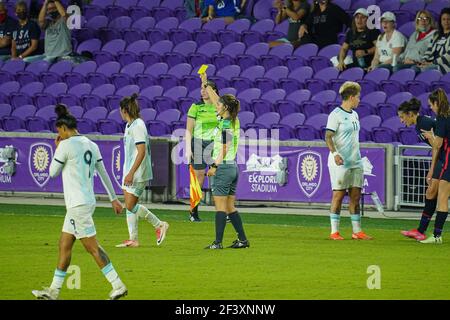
pixel 116 163
pixel 309 172
pixel 39 162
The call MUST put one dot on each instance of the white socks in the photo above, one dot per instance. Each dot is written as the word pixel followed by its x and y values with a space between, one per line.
pixel 356 222
pixel 335 219
pixel 143 212
pixel 132 223
pixel 112 276
pixel 58 279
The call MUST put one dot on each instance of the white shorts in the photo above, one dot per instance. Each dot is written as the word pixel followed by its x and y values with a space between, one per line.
pixel 343 178
pixel 79 221
pixel 136 189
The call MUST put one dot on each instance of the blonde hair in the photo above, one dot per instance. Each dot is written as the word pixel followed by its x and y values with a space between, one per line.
pixel 428 15
pixel 349 89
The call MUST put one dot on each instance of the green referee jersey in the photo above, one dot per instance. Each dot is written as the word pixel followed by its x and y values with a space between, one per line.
pixel 205 120
pixel 227 132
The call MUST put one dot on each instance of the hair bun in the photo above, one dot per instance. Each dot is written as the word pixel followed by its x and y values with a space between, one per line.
pixel 61 110
pixel 134 96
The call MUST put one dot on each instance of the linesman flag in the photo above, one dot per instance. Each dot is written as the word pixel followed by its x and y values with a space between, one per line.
pixel 195 189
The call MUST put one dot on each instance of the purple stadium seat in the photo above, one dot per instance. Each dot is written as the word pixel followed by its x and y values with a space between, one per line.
pixel 383 135
pixel 115 12
pixel 214 25
pixel 61 67
pixel 180 70
pixel 143 24
pixel 167 81
pixel 32 88
pixel 113 102
pixel 157 69
pixel 149 4
pixel 152 92
pixel 73 79
pixel 86 126
pixel 97 22
pixel 389 5
pixel 91 11
pixel 425 108
pixel 85 68
pixel 294 119
pixel 160 13
pixel 249 94
pixel 281 132
pixel 253 72
pixel 268 119
pixel 364 110
pixel 126 3
pixel 145 80
pixel 239 25
pixel 386 110
pixel 133 35
pixel 5 76
pixel 148 114
pixel 323 97
pixel 202 36
pixel 229 72
pixel 138 12
pixel 273 95
pixel 107 126
pixel 286 107
pixel 195 94
pixel 306 133
pixel 374 98
pixel 5 110
pixel 306 51
pixel 96 114
pixel 344 4
pixel 90 101
pixel 397 81
pixel 423 82
pixel 11 123
pixel 18 99
pixel 246 117
pixel 251 37
pixel 408 136
pixel 299 96
pixel 44 99
pixel 263 25
pixel 89 45
pixel 157 128
pixel 108 34
pixel 80 89
pixel 408 28
pixel 321 79
pixel 370 122
pixel 37 67
pixel 179 35
pixel 96 79
pixel 191 24
pixel 127 90
pixel 169 116
pixel 104 90
pixel 24 112
pixel 102 3
pixel 161 47
pixel 171 4
pixel 10 86
pixel 317 121
pixel 260 106
pixel 227 36
pixel 13 66
pixel 56 89
pixel 167 24
pixel 399 98
pixel 241 83
pixel 36 124
pixel 437 5
pixel 163 103
pixel 76 111
pixel 114 46
pixel 393 123
pixel 185 103
pixel 220 82
pixel 176 92
pixel 69 99
pixel 265 84
pixel 311 108
pixel 356 4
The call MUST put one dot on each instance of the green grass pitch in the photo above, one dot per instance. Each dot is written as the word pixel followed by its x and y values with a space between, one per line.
pixel 290 258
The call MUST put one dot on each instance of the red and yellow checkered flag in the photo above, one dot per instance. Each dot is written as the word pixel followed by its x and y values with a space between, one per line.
pixel 195 189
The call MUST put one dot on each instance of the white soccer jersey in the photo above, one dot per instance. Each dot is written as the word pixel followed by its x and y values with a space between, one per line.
pixel 346 127
pixel 385 47
pixel 78 155
pixel 135 134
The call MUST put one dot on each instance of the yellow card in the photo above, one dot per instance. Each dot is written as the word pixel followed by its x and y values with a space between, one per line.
pixel 202 69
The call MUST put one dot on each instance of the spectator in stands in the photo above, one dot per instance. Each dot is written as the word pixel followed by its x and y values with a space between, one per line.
pixel 323 24
pixel 418 42
pixel 53 19
pixel 361 40
pixel 296 12
pixel 438 54
pixel 390 44
pixel 7 26
pixel 25 39
pixel 195 9
pixel 226 9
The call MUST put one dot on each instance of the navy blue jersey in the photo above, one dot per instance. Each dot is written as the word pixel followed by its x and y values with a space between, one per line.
pixel 443 131
pixel 24 34
pixel 424 123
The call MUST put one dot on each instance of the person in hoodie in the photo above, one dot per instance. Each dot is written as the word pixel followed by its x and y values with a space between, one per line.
pixel 323 24
pixel 418 43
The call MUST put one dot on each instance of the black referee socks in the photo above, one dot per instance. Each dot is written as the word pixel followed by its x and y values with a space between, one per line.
pixel 221 222
pixel 236 221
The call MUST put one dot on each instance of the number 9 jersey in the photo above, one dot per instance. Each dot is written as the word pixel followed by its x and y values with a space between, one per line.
pixel 78 157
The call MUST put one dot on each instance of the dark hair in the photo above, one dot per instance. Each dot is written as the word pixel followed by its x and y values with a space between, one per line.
pixel 443 11
pixel 438 96
pixel 412 105
pixel 232 105
pixel 130 106
pixel 213 86
pixel 315 6
pixel 23 4
pixel 64 118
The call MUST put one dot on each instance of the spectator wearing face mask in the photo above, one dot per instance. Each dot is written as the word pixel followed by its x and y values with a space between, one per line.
pixel 53 19
pixel 324 23
pixel 25 39
pixel 7 26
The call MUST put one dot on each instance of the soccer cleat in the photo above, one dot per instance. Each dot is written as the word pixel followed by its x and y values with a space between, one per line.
pixel 46 294
pixel 118 293
pixel 128 244
pixel 238 244
pixel 432 240
pixel 336 236
pixel 194 217
pixel 161 232
pixel 361 236
pixel 215 245
pixel 414 234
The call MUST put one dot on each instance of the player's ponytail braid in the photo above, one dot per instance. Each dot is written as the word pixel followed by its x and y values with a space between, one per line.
pixel 232 105
pixel 130 106
pixel 440 97
pixel 64 118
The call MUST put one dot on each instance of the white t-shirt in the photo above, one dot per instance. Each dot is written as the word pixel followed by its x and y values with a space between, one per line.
pixel 78 155
pixel 135 134
pixel 385 47
pixel 346 127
